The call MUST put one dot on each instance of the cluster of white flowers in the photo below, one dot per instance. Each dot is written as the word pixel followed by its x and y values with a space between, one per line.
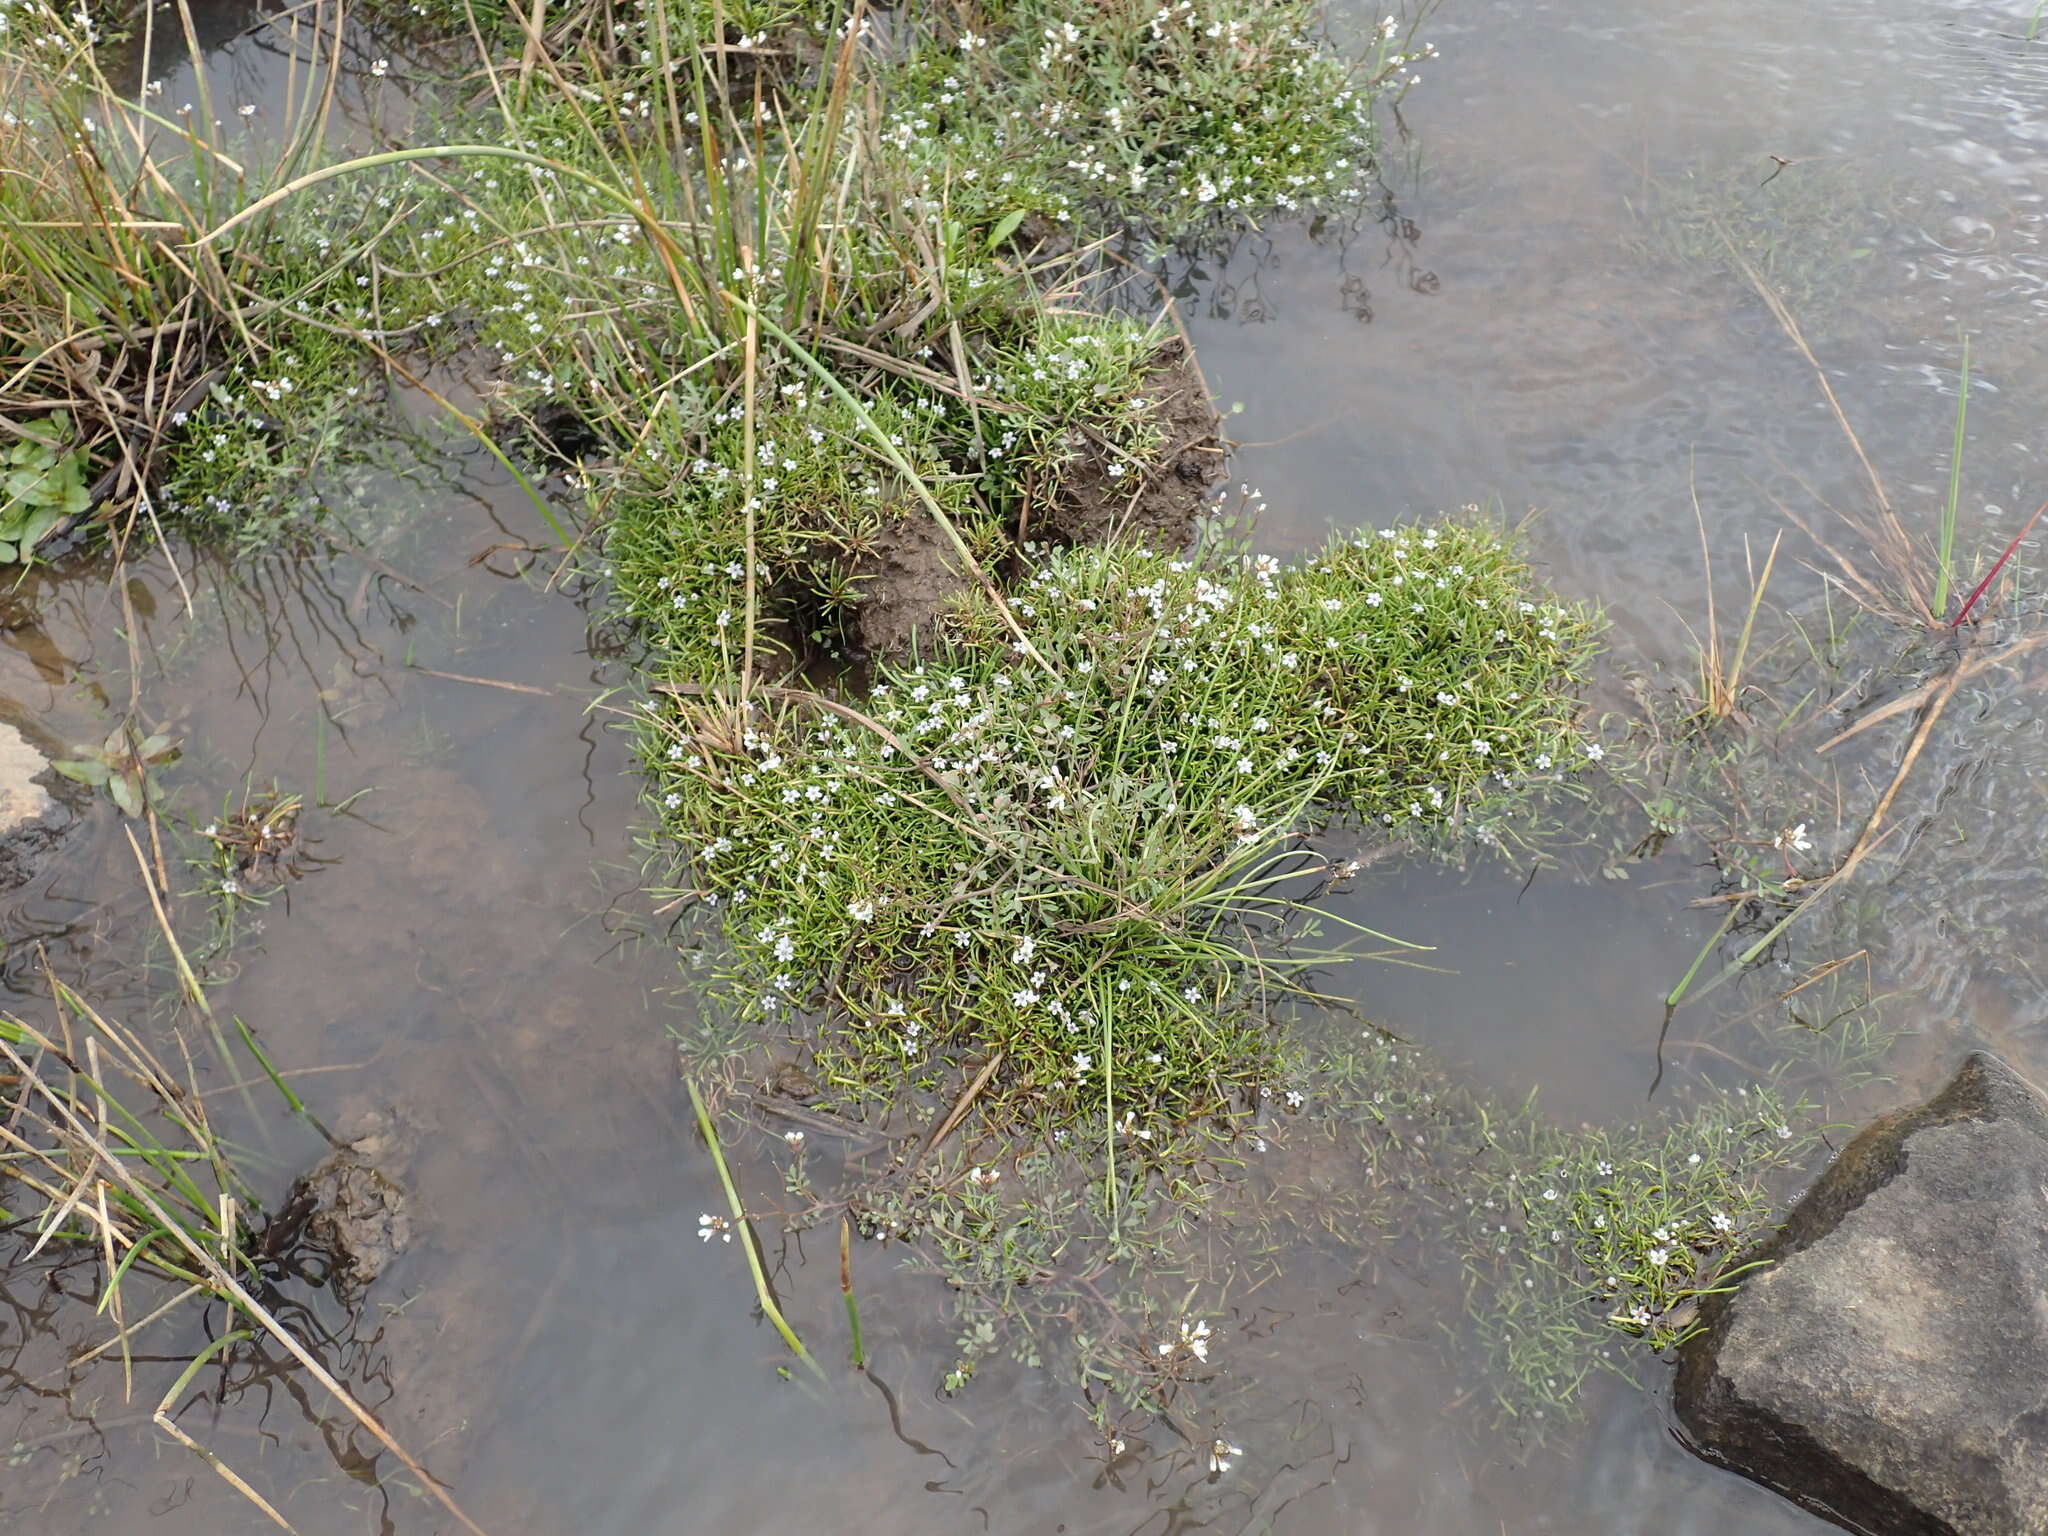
pixel 1192 1343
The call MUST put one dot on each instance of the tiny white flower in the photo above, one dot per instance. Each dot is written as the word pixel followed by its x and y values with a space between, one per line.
pixel 1794 838
pixel 1221 1453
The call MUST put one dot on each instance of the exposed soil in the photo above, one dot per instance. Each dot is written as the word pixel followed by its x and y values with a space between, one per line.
pixel 907 580
pixel 1093 506
pixel 905 583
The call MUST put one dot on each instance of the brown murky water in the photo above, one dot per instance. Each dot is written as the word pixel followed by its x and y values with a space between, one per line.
pixel 470 958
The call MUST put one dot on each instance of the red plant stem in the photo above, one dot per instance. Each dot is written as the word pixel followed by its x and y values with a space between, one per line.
pixel 1971 601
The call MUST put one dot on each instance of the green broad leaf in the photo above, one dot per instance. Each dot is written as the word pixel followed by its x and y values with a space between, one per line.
pixel 85 770
pixel 6 552
pixel 39 526
pixel 153 746
pixel 127 793
pixel 1006 226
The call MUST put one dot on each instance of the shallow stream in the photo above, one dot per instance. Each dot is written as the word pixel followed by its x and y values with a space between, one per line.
pixel 1544 323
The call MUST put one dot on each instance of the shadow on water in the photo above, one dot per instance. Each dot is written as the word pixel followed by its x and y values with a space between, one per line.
pixel 466 968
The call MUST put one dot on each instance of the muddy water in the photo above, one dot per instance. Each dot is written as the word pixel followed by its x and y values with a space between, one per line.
pixel 468 966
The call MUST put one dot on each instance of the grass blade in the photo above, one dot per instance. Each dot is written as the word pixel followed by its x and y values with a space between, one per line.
pixel 1945 555
pixel 746 1231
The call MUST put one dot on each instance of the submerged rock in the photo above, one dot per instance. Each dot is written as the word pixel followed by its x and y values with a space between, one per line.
pixel 32 820
pixel 1888 1368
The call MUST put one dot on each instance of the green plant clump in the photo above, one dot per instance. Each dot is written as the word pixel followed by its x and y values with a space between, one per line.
pixel 42 482
pixel 1577 1234
pixel 1163 115
pixel 827 512
pixel 1062 862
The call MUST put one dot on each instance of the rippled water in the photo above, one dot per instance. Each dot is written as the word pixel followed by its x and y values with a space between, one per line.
pixel 558 1343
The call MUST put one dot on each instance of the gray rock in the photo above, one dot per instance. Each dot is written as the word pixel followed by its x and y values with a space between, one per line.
pixel 1888 1369
pixel 32 820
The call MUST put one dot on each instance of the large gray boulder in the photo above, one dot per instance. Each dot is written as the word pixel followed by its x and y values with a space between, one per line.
pixel 1888 1368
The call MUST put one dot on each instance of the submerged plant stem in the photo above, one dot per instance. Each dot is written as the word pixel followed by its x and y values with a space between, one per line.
pixel 747 1241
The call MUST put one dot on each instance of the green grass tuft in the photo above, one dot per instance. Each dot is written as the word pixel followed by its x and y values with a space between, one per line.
pixel 976 858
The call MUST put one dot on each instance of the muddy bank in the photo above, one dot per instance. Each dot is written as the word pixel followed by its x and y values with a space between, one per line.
pixel 904 585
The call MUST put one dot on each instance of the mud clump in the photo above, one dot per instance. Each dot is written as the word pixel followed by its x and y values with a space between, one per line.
pixel 912 573
pixel 906 582
pixel 1093 506
pixel 349 1211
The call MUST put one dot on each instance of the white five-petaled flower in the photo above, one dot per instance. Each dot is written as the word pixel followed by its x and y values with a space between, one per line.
pixel 862 911
pixel 710 1226
pixel 380 68
pixel 1659 1257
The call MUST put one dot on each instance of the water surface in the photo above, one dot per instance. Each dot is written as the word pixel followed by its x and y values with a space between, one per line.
pixel 472 958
